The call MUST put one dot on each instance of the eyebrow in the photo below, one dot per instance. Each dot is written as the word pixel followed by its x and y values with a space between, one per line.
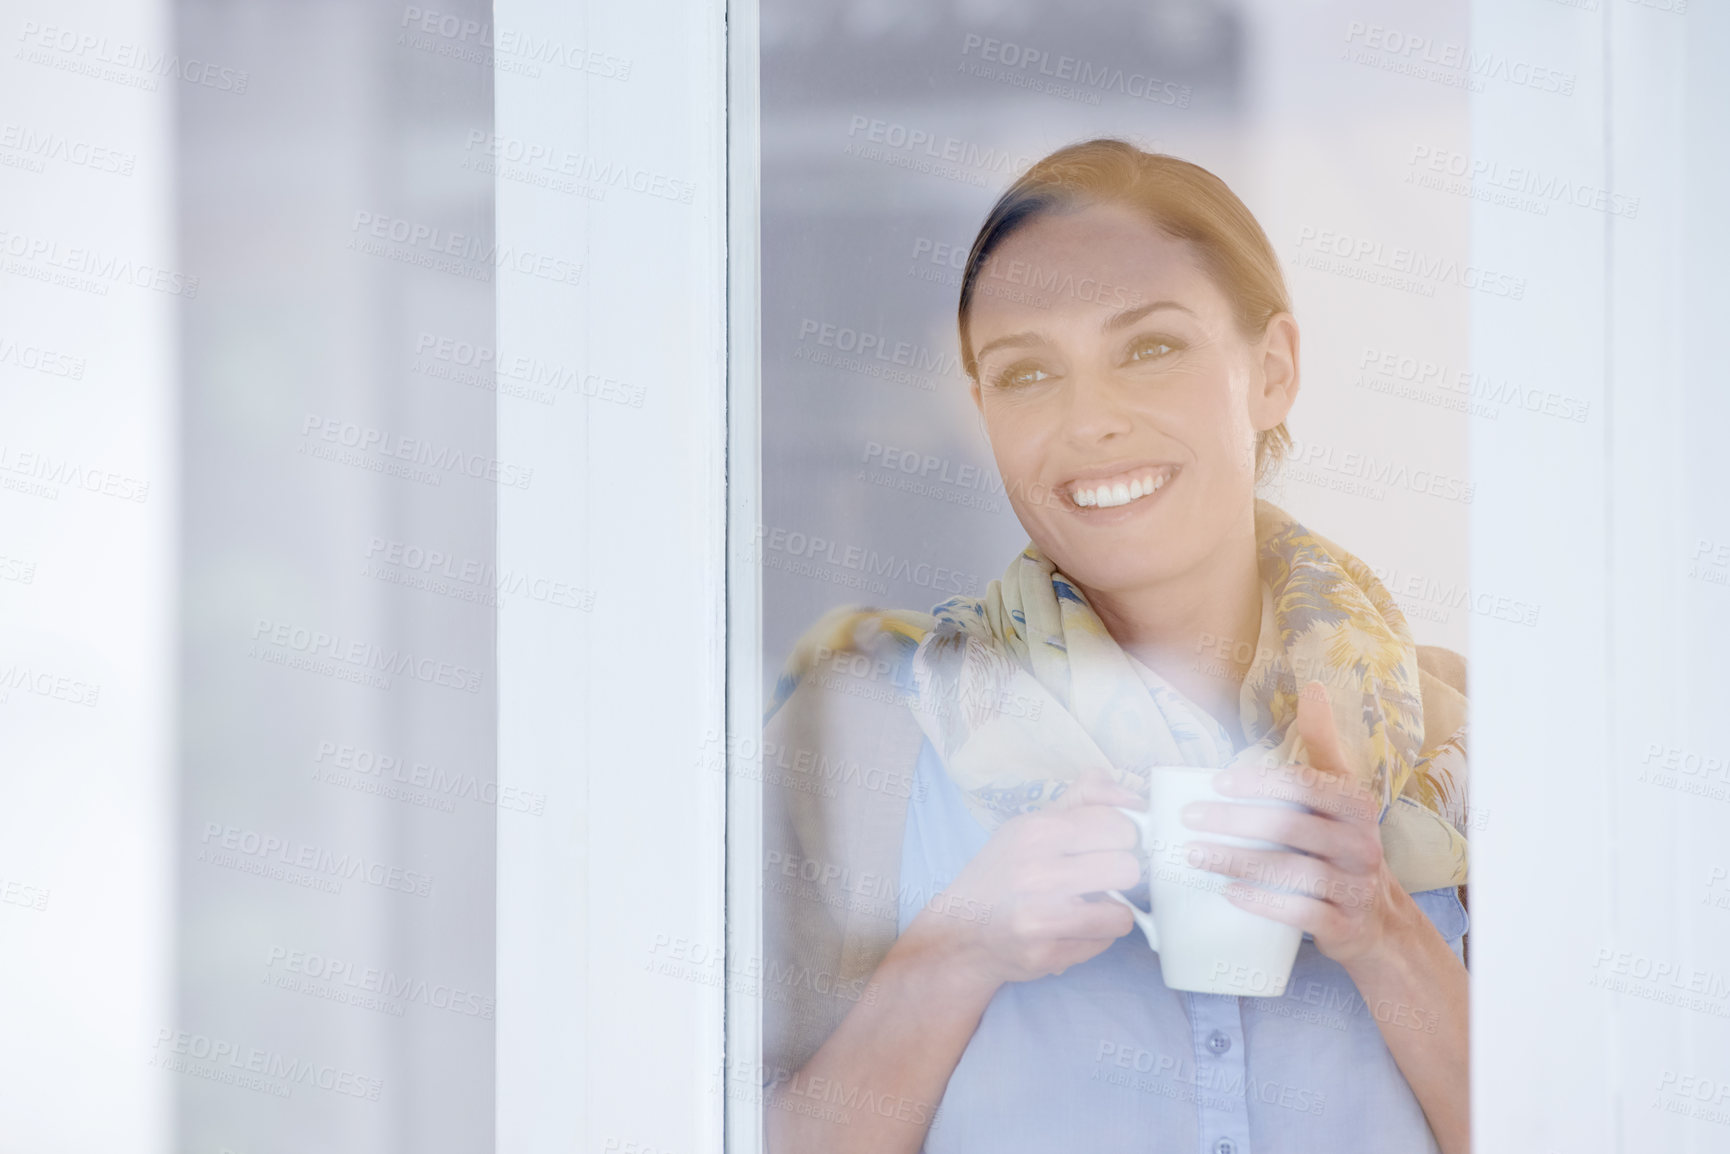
pixel 1125 319
pixel 1112 324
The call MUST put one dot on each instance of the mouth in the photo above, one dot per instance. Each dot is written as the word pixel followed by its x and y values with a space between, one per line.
pixel 1119 489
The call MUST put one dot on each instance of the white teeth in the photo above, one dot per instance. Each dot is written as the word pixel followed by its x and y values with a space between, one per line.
pixel 1120 493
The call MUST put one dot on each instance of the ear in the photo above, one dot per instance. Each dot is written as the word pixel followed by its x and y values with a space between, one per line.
pixel 1275 389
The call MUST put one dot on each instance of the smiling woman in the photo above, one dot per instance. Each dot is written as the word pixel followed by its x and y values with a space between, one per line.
pixel 975 986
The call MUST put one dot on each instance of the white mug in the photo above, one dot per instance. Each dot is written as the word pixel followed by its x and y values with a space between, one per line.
pixel 1205 943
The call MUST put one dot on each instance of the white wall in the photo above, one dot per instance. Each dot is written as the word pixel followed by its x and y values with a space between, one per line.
pixel 1601 936
pixel 86 580
pixel 610 928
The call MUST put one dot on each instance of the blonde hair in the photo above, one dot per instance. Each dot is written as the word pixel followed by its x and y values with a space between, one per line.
pixel 1183 200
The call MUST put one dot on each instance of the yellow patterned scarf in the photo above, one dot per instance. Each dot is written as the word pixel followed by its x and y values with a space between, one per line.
pixel 1022 689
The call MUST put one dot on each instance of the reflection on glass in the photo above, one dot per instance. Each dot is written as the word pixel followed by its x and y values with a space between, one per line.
pixel 952 881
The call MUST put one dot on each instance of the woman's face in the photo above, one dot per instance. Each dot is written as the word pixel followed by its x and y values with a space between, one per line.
pixel 1121 399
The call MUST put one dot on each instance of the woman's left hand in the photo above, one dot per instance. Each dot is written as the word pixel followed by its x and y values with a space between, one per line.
pixel 1337 885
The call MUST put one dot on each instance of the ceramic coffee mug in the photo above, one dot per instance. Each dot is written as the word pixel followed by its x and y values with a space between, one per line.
pixel 1205 943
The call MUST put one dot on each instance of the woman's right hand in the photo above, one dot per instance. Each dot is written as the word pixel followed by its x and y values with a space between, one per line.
pixel 1032 880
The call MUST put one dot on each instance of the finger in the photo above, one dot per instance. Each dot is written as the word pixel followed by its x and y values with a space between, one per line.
pixel 1095 920
pixel 1092 873
pixel 1306 913
pixel 1325 791
pixel 1049 917
pixel 1096 787
pixel 1091 828
pixel 1315 722
pixel 1309 833
pixel 1273 869
pixel 1288 873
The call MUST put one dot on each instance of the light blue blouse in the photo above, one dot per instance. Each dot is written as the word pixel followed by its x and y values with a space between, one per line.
pixel 1104 1058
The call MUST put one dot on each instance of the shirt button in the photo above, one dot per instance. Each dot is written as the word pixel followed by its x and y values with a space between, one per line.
pixel 1223 1146
pixel 1219 1043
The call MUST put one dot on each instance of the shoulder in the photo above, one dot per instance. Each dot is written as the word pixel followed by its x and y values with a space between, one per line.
pixel 842 738
pixel 1444 665
pixel 835 644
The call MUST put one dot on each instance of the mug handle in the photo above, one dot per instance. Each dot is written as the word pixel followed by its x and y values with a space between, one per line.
pixel 1142 819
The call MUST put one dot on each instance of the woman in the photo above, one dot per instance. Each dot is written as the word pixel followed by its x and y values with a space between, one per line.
pixel 945 972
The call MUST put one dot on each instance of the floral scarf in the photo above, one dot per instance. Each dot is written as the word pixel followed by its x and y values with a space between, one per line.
pixel 1021 690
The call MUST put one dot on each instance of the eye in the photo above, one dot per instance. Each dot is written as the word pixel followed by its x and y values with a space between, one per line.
pixel 1019 376
pixel 1151 348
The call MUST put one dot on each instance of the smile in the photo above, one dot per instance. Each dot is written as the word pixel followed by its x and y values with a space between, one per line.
pixel 1110 492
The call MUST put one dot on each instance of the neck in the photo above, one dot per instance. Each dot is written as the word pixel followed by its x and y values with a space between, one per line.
pixel 1198 629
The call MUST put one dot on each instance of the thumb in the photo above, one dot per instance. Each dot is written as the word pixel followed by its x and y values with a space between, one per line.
pixel 1315 723
pixel 1096 787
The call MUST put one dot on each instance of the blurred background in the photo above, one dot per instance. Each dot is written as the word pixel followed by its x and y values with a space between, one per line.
pixel 338 580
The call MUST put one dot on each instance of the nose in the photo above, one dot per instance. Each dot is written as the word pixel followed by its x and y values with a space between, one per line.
pixel 1094 411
